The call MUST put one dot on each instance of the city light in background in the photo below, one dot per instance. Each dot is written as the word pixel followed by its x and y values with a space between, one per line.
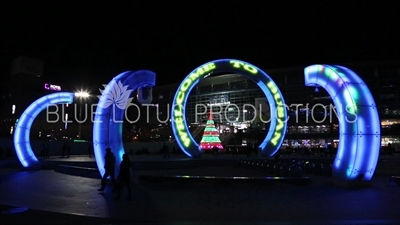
pixel 81 95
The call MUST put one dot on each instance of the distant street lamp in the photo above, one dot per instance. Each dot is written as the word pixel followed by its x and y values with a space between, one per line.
pixel 81 95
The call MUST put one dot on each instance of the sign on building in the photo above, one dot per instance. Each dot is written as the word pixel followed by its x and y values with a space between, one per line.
pixel 219 100
pixel 52 87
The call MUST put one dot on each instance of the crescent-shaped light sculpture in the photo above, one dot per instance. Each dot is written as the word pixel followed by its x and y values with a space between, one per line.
pixel 359 124
pixel 277 128
pixel 22 144
pixel 110 112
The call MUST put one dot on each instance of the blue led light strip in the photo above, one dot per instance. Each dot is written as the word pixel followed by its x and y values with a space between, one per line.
pixel 107 128
pixel 359 123
pixel 22 143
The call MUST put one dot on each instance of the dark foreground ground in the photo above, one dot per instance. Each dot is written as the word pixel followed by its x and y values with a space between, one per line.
pixel 48 197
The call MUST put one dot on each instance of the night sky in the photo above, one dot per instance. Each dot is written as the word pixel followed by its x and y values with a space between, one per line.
pixel 90 42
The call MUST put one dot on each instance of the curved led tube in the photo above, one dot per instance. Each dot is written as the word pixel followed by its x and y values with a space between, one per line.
pixel 22 144
pixel 110 112
pixel 359 124
pixel 277 129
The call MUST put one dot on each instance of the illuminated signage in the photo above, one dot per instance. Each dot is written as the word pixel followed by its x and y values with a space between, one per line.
pixel 359 124
pixel 52 87
pixel 219 100
pixel 246 66
pixel 280 115
pixel 277 129
pixel 219 104
pixel 180 101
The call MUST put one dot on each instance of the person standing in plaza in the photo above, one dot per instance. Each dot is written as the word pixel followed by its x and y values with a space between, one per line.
pixel 68 149
pixel 90 150
pixel 330 150
pixel 63 150
pixel 46 151
pixel 42 150
pixel 165 151
pixel 248 150
pixel 124 177
pixel 109 166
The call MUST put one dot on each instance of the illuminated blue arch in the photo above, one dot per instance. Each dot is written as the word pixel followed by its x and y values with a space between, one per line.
pixel 22 143
pixel 277 128
pixel 359 124
pixel 107 124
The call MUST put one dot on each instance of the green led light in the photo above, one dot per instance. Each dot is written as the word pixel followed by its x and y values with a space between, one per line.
pixel 249 68
pixel 354 92
pixel 280 113
pixel 182 93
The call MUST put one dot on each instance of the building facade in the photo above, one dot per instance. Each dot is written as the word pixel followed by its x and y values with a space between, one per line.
pixel 25 84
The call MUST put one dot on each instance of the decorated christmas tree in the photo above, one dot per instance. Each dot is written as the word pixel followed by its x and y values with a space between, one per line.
pixel 210 137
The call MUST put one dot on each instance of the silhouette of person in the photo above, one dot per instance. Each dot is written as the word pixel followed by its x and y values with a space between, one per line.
pixel 306 151
pixel 248 150
pixel 109 166
pixel 173 150
pixel 43 150
pixel 46 151
pixel 390 149
pixel 215 150
pixel 165 150
pixel 124 177
pixel 63 150
pixel 90 150
pixel 68 149
pixel 330 150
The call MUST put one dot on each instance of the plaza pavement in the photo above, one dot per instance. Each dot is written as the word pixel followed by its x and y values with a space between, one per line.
pixel 55 198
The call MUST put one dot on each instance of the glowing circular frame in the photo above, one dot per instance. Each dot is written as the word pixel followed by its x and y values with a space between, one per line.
pixel 22 144
pixel 359 123
pixel 107 125
pixel 277 129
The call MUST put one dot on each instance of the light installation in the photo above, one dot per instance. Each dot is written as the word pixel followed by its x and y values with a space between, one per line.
pixel 277 128
pixel 111 111
pixel 359 124
pixel 22 143
pixel 210 139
